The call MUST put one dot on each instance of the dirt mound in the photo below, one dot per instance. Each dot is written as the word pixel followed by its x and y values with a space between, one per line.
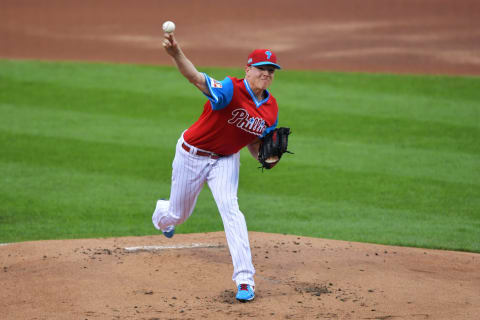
pixel 189 277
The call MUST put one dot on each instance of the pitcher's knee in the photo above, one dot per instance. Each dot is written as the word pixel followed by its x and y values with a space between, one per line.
pixel 229 203
pixel 179 220
pixel 173 219
pixel 232 212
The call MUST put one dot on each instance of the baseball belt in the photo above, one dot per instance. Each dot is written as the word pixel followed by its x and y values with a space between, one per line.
pixel 202 153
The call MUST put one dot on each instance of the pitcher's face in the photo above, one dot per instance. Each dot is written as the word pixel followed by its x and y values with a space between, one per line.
pixel 260 77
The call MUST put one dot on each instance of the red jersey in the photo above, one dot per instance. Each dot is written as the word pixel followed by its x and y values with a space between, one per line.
pixel 232 117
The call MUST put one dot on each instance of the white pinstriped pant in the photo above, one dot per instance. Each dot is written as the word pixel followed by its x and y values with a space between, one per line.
pixel 190 172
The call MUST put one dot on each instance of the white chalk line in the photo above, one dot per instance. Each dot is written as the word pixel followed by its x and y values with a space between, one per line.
pixel 176 246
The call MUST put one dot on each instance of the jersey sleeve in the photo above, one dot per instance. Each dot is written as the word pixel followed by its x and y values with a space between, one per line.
pixel 221 92
pixel 272 127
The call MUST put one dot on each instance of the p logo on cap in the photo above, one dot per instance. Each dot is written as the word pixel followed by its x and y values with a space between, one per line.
pixel 262 57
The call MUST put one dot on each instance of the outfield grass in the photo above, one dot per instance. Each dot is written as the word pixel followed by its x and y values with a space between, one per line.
pixel 86 149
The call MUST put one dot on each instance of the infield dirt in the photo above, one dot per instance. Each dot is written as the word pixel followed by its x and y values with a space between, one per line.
pixel 297 277
pixel 400 36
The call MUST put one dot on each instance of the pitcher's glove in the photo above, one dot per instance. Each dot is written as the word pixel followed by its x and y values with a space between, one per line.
pixel 273 146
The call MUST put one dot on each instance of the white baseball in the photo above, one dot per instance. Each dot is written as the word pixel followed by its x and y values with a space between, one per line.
pixel 168 26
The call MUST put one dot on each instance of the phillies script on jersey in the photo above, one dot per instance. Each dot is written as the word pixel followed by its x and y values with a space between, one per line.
pixel 232 117
pixel 242 120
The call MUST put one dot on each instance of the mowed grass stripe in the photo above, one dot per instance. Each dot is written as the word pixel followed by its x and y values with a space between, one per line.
pixel 389 159
pixel 97 76
pixel 371 189
pixel 446 166
pixel 51 202
pixel 99 101
pixel 326 219
pixel 87 156
pixel 398 132
pixel 336 184
pixel 371 150
pixel 450 100
pixel 366 129
pixel 128 207
pixel 71 124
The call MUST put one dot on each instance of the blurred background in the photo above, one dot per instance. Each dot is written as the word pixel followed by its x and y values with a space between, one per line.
pixel 382 97
pixel 401 36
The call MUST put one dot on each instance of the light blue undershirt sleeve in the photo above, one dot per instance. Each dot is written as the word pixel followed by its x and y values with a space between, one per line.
pixel 221 92
pixel 267 130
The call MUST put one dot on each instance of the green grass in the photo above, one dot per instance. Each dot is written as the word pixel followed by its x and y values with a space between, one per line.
pixel 86 149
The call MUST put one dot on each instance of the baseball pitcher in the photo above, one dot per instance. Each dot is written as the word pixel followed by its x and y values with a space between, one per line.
pixel 237 113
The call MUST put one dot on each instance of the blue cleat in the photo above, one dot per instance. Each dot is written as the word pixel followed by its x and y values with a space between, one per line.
pixel 169 232
pixel 245 293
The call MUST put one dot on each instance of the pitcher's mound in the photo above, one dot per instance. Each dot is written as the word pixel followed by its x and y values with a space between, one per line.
pixel 189 277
